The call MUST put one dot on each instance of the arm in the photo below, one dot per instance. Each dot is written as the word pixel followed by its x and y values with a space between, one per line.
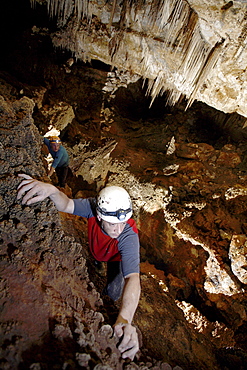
pixel 51 171
pixel 37 191
pixel 46 141
pixel 57 160
pixel 131 294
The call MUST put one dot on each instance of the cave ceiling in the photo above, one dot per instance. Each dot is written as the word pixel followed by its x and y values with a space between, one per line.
pixel 194 49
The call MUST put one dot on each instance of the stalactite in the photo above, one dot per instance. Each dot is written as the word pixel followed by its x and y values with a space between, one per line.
pixel 242 37
pixel 179 24
pixel 184 38
pixel 179 33
pixel 63 9
pixel 112 12
pixel 209 64
pixel 126 7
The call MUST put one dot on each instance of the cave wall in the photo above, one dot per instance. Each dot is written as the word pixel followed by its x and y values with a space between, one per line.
pixel 176 218
pixel 49 307
pixel 186 173
pixel 53 315
pixel 52 311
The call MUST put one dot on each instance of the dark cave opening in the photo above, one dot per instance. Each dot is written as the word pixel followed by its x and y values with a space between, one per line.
pixel 133 103
pixel 207 131
pixel 18 16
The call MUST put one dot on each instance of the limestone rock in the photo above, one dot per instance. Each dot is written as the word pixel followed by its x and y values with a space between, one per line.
pixel 195 48
pixel 237 254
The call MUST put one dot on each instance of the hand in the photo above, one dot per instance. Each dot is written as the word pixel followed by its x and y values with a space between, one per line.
pixel 52 170
pixel 129 344
pixel 35 190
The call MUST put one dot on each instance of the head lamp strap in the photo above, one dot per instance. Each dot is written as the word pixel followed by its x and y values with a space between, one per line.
pixel 120 213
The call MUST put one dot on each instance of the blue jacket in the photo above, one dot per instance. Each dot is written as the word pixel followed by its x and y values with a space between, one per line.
pixel 61 158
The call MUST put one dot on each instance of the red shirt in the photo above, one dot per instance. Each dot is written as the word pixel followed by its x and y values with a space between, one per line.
pixel 125 248
pixel 102 246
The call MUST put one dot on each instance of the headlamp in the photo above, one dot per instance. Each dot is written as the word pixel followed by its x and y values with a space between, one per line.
pixel 120 213
pixel 55 141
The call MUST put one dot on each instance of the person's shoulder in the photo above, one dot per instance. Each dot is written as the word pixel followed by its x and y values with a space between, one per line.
pixel 132 224
pixel 130 231
pixel 85 206
pixel 63 149
pixel 92 201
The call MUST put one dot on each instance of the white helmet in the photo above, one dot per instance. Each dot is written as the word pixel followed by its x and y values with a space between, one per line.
pixel 114 204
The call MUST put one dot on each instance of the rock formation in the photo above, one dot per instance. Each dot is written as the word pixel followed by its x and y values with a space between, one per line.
pixel 183 163
pixel 195 49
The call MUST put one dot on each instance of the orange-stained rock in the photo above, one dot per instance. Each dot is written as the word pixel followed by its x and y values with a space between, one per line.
pixel 192 308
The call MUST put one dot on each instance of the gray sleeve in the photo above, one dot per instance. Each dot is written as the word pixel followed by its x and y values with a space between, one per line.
pixel 129 248
pixel 84 207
